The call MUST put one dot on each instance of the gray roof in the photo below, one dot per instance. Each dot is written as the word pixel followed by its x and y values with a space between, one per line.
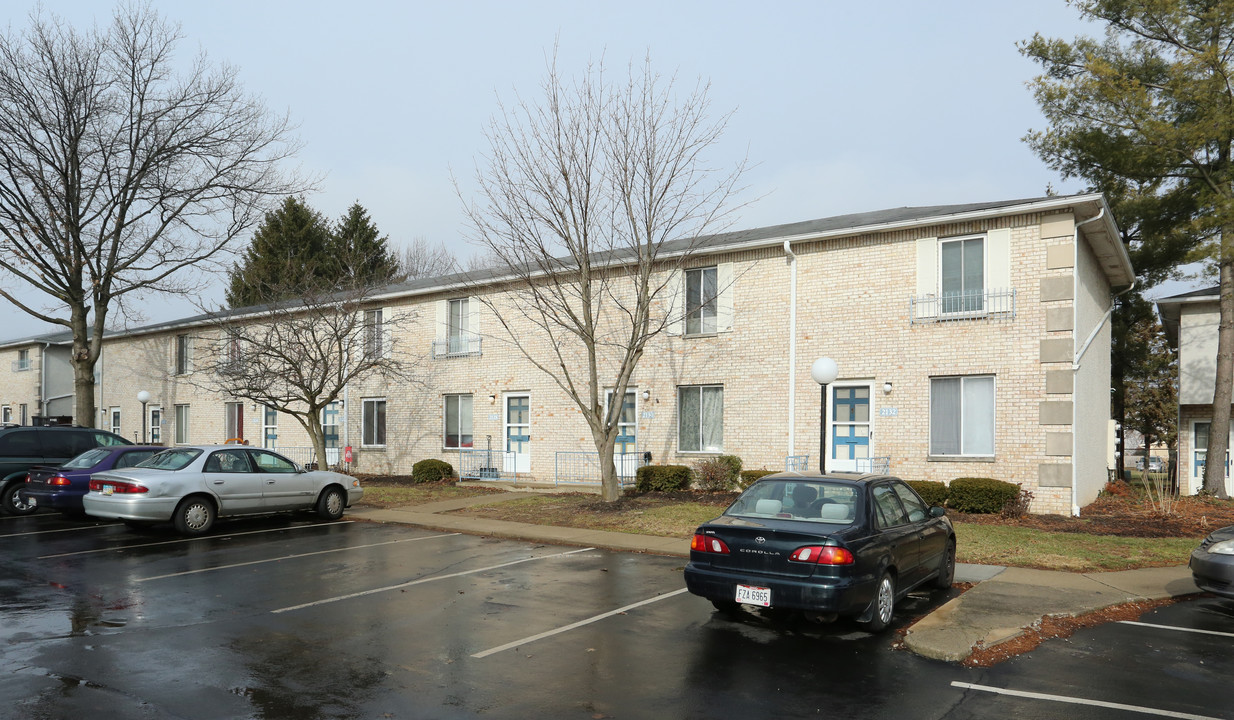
pixel 1103 236
pixel 1170 309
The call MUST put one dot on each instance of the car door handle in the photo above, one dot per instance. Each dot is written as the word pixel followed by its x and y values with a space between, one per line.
pixel 217 482
pixel 269 482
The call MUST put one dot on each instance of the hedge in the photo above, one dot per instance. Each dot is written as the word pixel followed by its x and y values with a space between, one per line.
pixel 431 470
pixel 981 495
pixel 934 493
pixel 749 476
pixel 662 478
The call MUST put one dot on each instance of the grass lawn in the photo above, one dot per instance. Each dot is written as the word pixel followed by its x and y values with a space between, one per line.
pixel 382 495
pixel 977 543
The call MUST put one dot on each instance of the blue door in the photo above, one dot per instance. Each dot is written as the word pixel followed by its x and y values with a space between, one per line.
pixel 850 427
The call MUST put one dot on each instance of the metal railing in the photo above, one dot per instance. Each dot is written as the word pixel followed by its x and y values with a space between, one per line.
pixel 20 366
pixel 486 465
pixel 583 468
pixel 299 455
pixel 874 465
pixel 980 305
pixel 797 463
pixel 459 346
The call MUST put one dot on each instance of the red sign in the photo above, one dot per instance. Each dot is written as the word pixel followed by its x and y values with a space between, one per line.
pixel 347 454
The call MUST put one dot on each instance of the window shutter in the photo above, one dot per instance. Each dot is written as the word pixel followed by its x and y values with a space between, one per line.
pixel 473 316
pixel 675 289
pixel 188 352
pixel 442 330
pixel 998 259
pixel 927 276
pixel 724 299
pixel 387 332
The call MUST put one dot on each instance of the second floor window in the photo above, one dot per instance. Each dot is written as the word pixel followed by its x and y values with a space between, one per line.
pixel 961 264
pixel 374 329
pixel 701 305
pixel 23 360
pixel 184 354
pixel 458 325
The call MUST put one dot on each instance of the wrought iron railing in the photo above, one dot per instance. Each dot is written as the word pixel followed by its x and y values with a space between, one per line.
pixel 797 463
pixel 583 468
pixel 486 465
pixel 979 305
pixel 458 346
pixel 874 465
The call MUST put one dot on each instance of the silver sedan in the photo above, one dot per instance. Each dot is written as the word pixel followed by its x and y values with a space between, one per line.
pixel 192 486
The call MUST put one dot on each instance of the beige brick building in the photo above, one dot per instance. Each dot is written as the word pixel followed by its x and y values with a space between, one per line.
pixel 971 340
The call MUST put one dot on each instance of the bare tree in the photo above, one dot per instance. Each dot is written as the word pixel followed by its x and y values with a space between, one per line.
pixel 116 172
pixel 422 260
pixel 589 202
pixel 298 356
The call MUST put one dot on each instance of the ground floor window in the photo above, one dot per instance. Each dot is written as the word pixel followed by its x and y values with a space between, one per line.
pixel 373 422
pixel 234 420
pixel 700 418
pixel 1199 452
pixel 962 415
pixel 6 414
pixel 458 414
pixel 156 425
pixel 115 420
pixel 182 423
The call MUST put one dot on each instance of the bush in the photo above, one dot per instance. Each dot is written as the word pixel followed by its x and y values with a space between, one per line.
pixel 733 463
pixel 662 478
pixel 749 476
pixel 981 495
pixel 431 470
pixel 1017 506
pixel 713 475
pixel 1115 488
pixel 934 493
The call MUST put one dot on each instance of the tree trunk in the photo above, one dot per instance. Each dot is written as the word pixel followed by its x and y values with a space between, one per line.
pixel 83 361
pixel 1219 430
pixel 610 484
pixel 319 441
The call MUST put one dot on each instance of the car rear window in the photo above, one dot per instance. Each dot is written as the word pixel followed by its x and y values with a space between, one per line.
pixel 821 502
pixel 177 459
pixel 130 459
pixel 88 459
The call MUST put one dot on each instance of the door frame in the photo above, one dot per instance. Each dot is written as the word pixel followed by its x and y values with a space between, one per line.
pixel 834 463
pixel 518 462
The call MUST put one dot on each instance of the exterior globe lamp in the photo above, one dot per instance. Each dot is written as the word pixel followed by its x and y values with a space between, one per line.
pixel 143 397
pixel 824 371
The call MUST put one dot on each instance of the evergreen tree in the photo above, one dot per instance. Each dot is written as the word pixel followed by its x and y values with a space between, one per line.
pixel 291 248
pixel 357 237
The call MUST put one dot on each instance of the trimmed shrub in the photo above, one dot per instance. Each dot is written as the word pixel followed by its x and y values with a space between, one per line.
pixel 981 495
pixel 662 478
pixel 431 470
pixel 713 475
pixel 1017 507
pixel 733 463
pixel 934 493
pixel 749 476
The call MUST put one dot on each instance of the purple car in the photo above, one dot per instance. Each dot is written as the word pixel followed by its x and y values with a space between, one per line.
pixel 62 488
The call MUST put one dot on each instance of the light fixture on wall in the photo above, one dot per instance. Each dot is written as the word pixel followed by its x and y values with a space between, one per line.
pixel 887 388
pixel 646 394
pixel 492 399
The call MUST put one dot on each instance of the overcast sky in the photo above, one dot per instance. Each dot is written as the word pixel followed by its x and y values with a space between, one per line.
pixel 842 107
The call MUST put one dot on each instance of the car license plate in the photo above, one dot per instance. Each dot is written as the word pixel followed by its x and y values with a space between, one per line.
pixel 108 489
pixel 751 595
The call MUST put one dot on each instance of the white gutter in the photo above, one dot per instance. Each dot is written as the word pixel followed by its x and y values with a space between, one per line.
pixel 792 348
pixel 43 399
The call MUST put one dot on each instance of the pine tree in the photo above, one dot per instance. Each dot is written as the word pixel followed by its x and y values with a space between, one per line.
pixel 291 249
pixel 366 252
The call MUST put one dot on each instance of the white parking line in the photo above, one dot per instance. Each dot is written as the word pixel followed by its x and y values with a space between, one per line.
pixel 434 578
pixel 72 529
pixel 292 557
pixel 192 539
pixel 579 624
pixel 1082 701
pixel 1179 629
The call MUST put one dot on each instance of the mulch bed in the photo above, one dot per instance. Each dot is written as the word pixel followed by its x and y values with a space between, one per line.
pixel 1126 517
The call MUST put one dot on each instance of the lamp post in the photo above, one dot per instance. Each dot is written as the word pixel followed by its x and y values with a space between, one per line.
pixel 143 397
pixel 824 371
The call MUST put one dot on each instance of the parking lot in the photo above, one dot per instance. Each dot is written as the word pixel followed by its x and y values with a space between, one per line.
pixel 291 617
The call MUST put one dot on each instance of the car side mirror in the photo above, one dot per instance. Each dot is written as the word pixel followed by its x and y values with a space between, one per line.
pixel 937 511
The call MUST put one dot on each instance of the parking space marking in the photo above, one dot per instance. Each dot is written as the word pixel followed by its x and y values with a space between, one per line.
pixel 1179 629
pixel 72 529
pixel 292 557
pixel 579 624
pixel 192 539
pixel 434 578
pixel 1082 701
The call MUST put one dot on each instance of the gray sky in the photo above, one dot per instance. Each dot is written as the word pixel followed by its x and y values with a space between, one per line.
pixel 842 107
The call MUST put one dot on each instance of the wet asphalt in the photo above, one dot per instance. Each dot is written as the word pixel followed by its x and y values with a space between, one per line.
pixel 289 617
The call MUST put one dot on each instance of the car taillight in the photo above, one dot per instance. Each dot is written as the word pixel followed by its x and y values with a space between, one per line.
pixel 702 543
pixel 822 555
pixel 59 480
pixel 117 487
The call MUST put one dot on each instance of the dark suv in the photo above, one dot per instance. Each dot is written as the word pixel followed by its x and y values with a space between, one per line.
pixel 21 448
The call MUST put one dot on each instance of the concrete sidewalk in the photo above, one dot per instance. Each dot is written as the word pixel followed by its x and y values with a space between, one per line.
pixel 1004 602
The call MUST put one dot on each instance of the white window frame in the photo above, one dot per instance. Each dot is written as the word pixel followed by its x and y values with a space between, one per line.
pixel 965 307
pixel 233 420
pixel 183 354
pixel 374 333
pixel 378 439
pixel 182 423
pixel 707 308
pixel 445 421
pixel 268 442
pixel 457 328
pixel 963 411
pixel 23 414
pixel 113 415
pixel 23 360
pixel 6 413
pixel 703 449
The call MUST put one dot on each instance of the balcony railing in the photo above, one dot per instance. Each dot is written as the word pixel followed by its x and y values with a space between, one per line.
pixel 457 346
pixel 980 305
pixel 21 365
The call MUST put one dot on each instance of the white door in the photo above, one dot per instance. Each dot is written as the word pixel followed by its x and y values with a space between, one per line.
pixel 518 433
pixel 625 450
pixel 849 446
